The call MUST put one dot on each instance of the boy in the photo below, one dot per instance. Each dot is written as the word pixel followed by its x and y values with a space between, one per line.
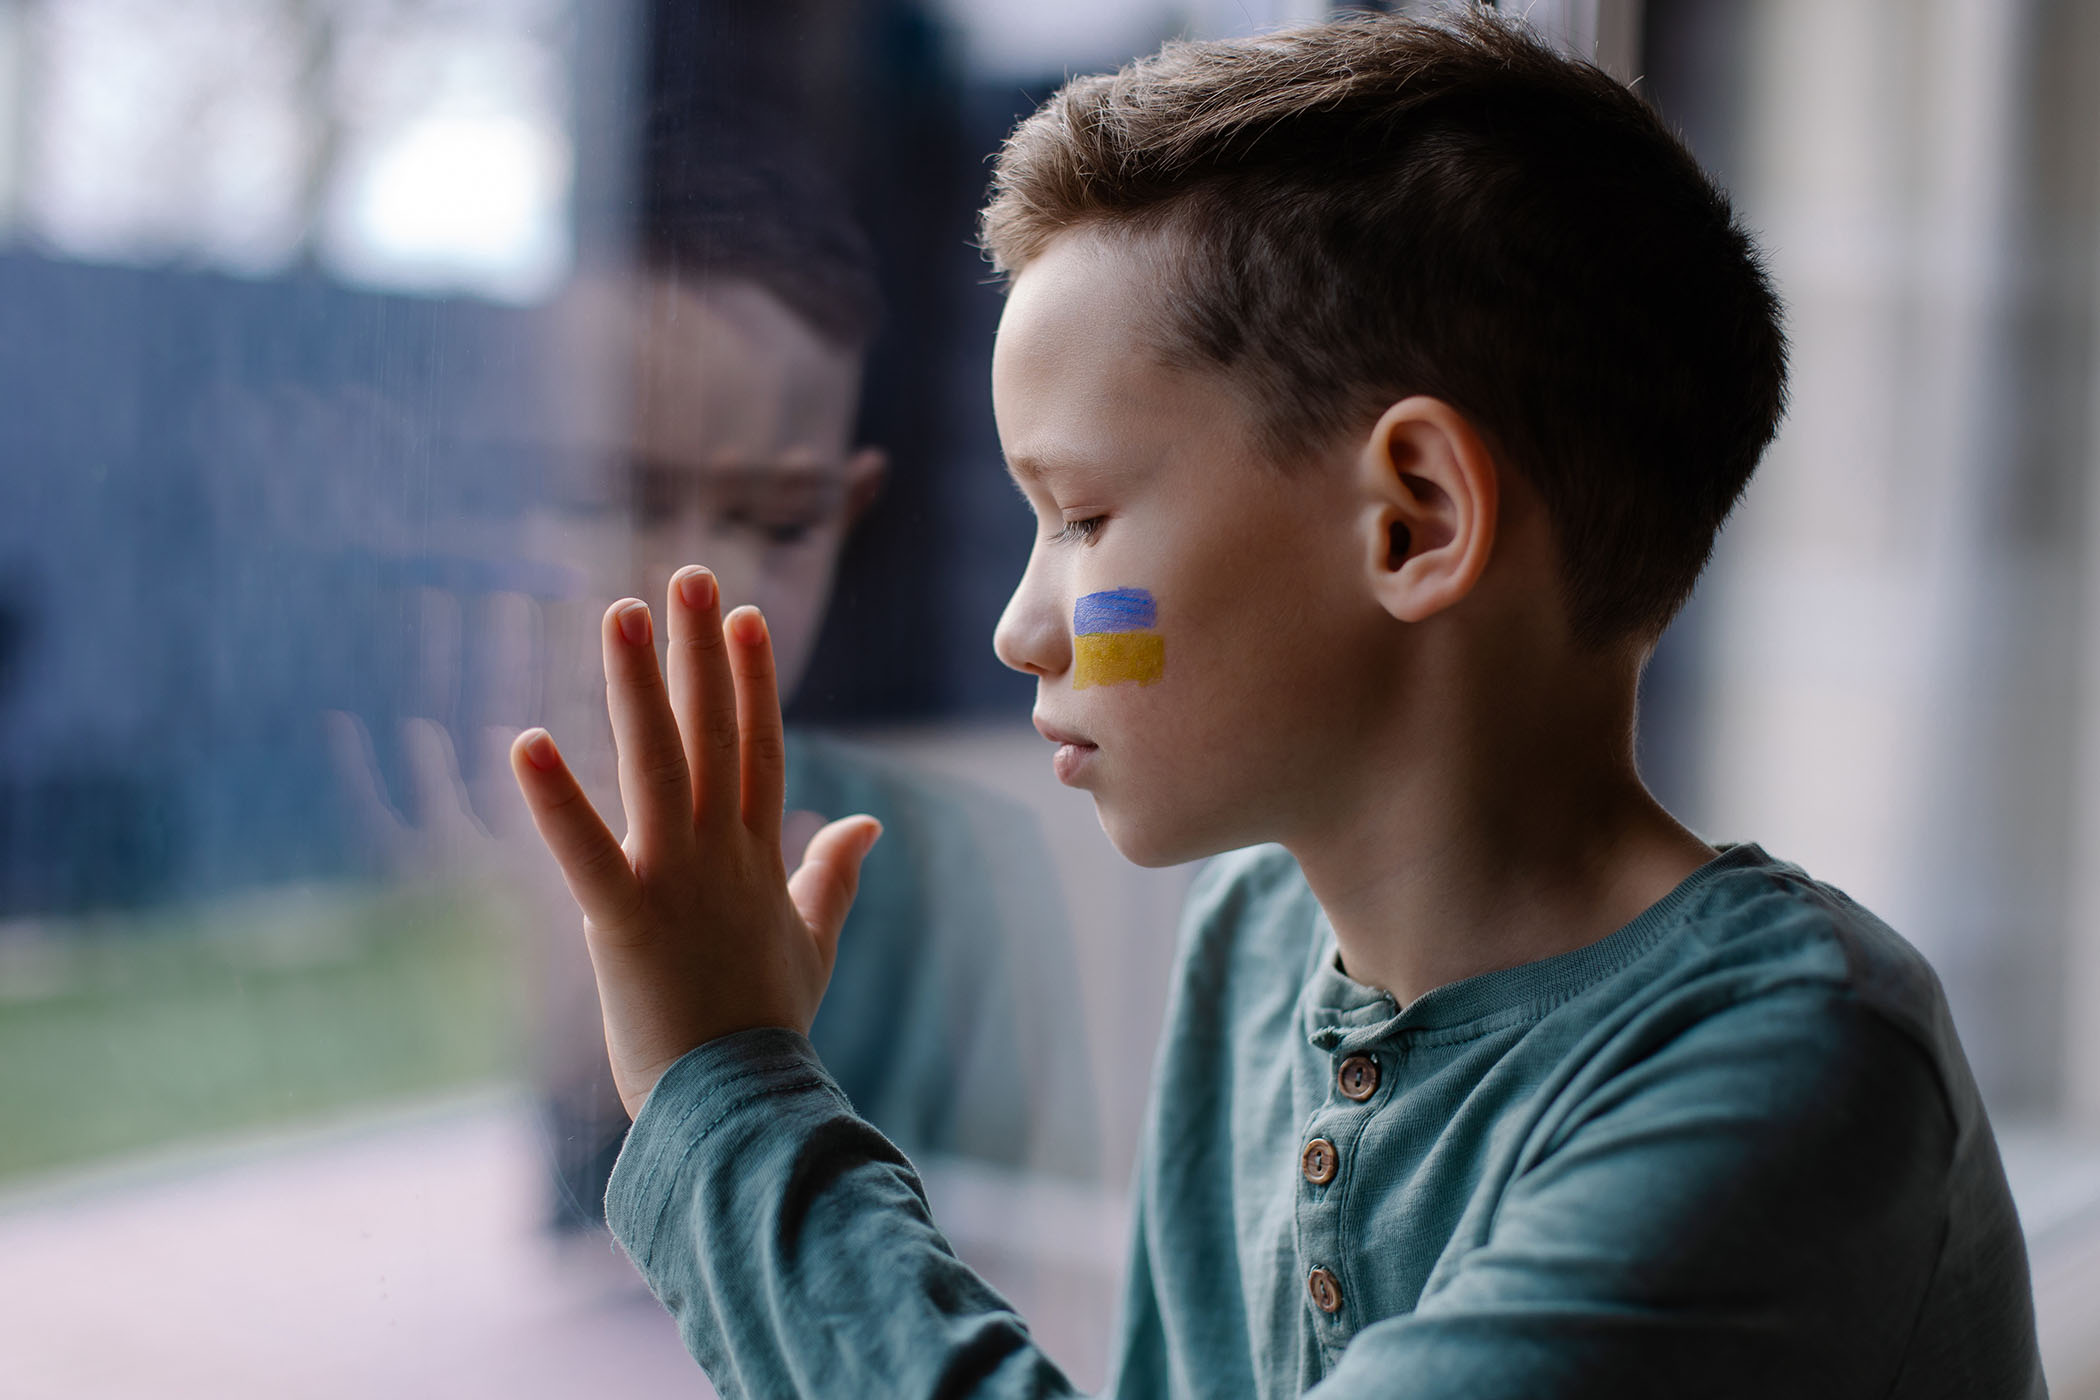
pixel 1379 388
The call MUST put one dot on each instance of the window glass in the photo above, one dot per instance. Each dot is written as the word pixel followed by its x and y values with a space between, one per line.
pixel 354 354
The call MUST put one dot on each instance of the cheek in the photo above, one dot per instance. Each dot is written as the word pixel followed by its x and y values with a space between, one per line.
pixel 1116 639
pixel 1244 661
pixel 1201 629
pixel 1159 644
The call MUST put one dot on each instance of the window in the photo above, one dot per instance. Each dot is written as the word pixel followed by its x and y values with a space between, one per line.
pixel 355 353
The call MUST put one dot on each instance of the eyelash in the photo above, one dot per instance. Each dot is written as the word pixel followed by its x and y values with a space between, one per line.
pixel 1079 531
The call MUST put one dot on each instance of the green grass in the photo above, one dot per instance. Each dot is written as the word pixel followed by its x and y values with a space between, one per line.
pixel 123 1033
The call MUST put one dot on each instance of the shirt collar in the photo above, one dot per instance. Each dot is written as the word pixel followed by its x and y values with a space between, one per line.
pixel 1341 1014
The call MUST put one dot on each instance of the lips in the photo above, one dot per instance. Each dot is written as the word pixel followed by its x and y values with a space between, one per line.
pixel 1059 736
pixel 1074 754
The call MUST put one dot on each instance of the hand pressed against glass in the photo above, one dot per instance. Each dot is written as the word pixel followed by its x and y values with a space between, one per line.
pixel 694 926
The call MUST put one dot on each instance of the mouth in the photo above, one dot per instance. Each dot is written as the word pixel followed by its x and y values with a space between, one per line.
pixel 1059 736
pixel 1074 754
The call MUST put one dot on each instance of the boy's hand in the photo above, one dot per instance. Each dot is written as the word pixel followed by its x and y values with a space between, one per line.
pixel 695 929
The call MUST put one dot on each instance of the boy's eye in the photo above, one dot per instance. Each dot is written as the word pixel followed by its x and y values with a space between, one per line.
pixel 780 531
pixel 1079 531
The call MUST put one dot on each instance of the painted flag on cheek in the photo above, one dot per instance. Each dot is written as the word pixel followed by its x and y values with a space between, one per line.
pixel 1115 638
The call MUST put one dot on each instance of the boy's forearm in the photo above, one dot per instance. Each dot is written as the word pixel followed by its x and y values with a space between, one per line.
pixel 793 1244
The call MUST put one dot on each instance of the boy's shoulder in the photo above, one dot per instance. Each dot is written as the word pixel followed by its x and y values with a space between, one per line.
pixel 1764 924
pixel 1232 890
pixel 954 836
pixel 1251 936
pixel 834 775
pixel 1251 906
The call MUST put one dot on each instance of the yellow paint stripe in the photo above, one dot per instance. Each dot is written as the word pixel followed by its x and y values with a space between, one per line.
pixel 1111 658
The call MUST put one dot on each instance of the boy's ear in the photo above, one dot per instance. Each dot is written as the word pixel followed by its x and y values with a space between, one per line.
pixel 1430 505
pixel 866 470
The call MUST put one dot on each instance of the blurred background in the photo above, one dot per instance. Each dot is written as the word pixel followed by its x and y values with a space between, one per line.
pixel 354 353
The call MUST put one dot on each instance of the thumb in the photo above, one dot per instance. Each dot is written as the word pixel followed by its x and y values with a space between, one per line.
pixel 829 876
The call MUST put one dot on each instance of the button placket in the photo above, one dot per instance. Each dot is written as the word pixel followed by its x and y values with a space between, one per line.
pixel 1324 1240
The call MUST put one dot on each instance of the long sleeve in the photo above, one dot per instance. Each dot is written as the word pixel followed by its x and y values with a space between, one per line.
pixel 793 1244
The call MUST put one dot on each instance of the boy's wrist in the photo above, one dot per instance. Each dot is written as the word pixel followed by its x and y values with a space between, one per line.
pixel 714 1068
pixel 686 1112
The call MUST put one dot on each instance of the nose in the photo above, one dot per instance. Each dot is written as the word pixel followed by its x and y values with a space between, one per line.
pixel 1031 635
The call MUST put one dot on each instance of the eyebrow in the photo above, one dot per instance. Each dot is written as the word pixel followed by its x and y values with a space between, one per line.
pixel 1025 469
pixel 742 472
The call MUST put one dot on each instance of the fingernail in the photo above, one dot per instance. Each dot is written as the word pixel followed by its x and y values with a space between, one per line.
pixel 697 587
pixel 749 626
pixel 634 623
pixel 874 835
pixel 539 749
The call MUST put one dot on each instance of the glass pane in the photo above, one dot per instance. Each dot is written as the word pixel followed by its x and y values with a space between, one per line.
pixel 357 353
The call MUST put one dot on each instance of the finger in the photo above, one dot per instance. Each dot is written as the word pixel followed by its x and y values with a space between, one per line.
pixel 654 787
pixel 824 886
pixel 702 692
pixel 591 861
pixel 764 749
pixel 357 769
pixel 496 802
pixel 433 770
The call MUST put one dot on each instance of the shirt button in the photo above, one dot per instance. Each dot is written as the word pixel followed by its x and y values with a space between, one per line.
pixel 1325 1290
pixel 1358 1077
pixel 1318 1161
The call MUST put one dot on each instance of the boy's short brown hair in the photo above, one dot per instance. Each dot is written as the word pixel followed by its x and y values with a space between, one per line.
pixel 726 198
pixel 1352 212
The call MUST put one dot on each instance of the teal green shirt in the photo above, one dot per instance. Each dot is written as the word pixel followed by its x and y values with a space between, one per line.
pixel 1731 1150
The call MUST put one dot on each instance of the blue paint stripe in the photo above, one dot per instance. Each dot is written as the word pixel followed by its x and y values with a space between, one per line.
pixel 1115 610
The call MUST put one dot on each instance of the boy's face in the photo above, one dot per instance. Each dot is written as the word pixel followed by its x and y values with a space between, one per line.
pixel 1231 667
pixel 736 453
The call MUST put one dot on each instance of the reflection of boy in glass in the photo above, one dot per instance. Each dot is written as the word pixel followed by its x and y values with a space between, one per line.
pixel 745 333
pixel 755 307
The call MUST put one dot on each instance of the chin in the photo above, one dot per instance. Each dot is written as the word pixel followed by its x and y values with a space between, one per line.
pixel 1154 839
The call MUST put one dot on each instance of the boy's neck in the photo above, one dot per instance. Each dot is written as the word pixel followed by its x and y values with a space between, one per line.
pixel 1523 833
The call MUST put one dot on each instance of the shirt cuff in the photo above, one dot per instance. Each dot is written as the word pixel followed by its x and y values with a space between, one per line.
pixel 705 1089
